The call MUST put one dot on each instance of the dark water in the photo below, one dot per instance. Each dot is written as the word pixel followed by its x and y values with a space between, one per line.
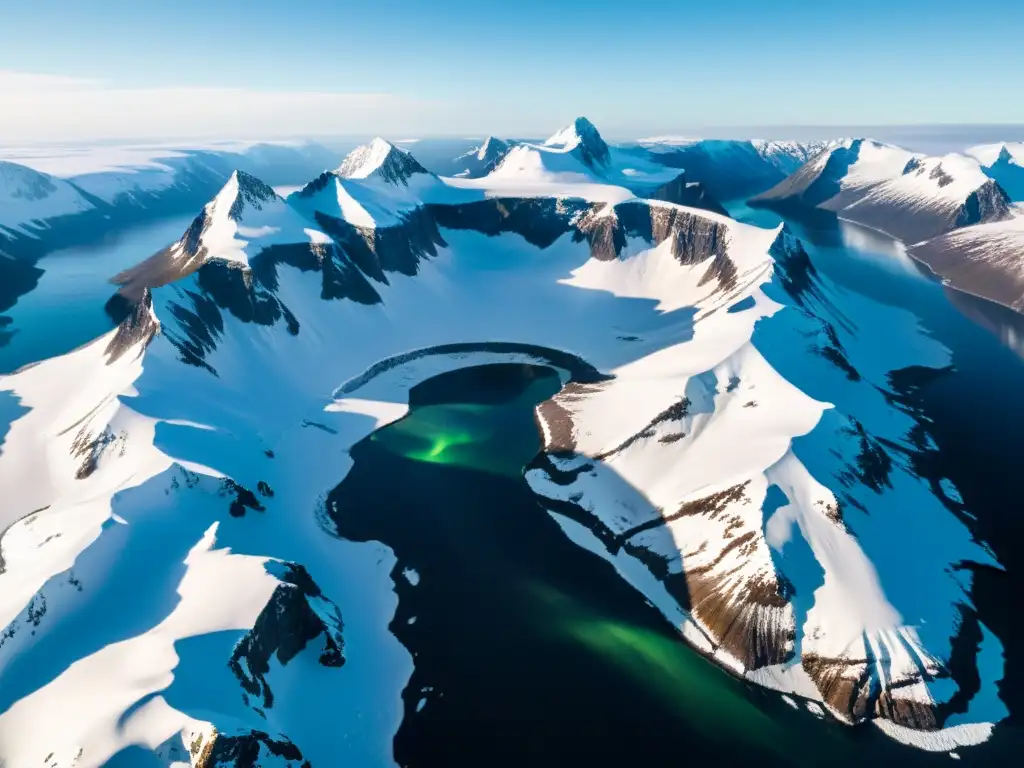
pixel 528 649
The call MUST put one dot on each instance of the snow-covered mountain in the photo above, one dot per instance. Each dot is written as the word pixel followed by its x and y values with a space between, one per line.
pixel 171 575
pixel 986 260
pixel 374 185
pixel 29 199
pixel 1003 163
pixel 105 188
pixel 787 156
pixel 732 169
pixel 907 195
pixel 63 197
pixel 245 219
pixel 578 154
pixel 481 160
pixel 581 139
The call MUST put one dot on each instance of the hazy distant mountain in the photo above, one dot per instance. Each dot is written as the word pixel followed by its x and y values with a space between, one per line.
pixel 732 169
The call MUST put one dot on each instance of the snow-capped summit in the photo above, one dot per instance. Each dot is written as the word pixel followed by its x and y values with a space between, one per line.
pixel 1003 163
pixel 491 148
pixel 584 138
pixel 480 161
pixel 371 188
pixel 903 193
pixel 243 193
pixel 787 156
pixel 380 159
pixel 245 218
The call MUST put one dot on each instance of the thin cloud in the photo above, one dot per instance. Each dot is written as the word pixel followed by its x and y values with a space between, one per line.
pixel 28 82
pixel 54 108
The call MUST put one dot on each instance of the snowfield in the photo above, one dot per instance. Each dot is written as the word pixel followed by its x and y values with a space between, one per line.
pixel 167 561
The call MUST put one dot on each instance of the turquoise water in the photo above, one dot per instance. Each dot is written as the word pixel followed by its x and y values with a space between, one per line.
pixel 65 310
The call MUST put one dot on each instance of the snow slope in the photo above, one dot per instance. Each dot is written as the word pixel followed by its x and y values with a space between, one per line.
pixel 907 195
pixel 986 260
pixel 171 577
pixel 29 199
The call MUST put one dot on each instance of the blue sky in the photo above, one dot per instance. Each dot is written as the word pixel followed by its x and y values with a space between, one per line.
pixel 458 67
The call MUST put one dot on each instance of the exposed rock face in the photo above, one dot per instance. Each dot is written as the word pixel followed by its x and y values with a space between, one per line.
pixel 136 330
pixel 989 203
pixel 695 239
pixel 853 692
pixel 540 221
pixel 380 250
pixel 690 193
pixel 297 614
pixel 252 749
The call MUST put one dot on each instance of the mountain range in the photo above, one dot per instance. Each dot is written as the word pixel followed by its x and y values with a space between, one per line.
pixel 103 190
pixel 173 576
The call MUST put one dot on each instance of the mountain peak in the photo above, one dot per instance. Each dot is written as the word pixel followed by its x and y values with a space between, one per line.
pixel 581 134
pixel 380 158
pixel 491 148
pixel 242 192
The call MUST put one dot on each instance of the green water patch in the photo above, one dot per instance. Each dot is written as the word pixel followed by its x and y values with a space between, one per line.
pixel 528 649
pixel 488 428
